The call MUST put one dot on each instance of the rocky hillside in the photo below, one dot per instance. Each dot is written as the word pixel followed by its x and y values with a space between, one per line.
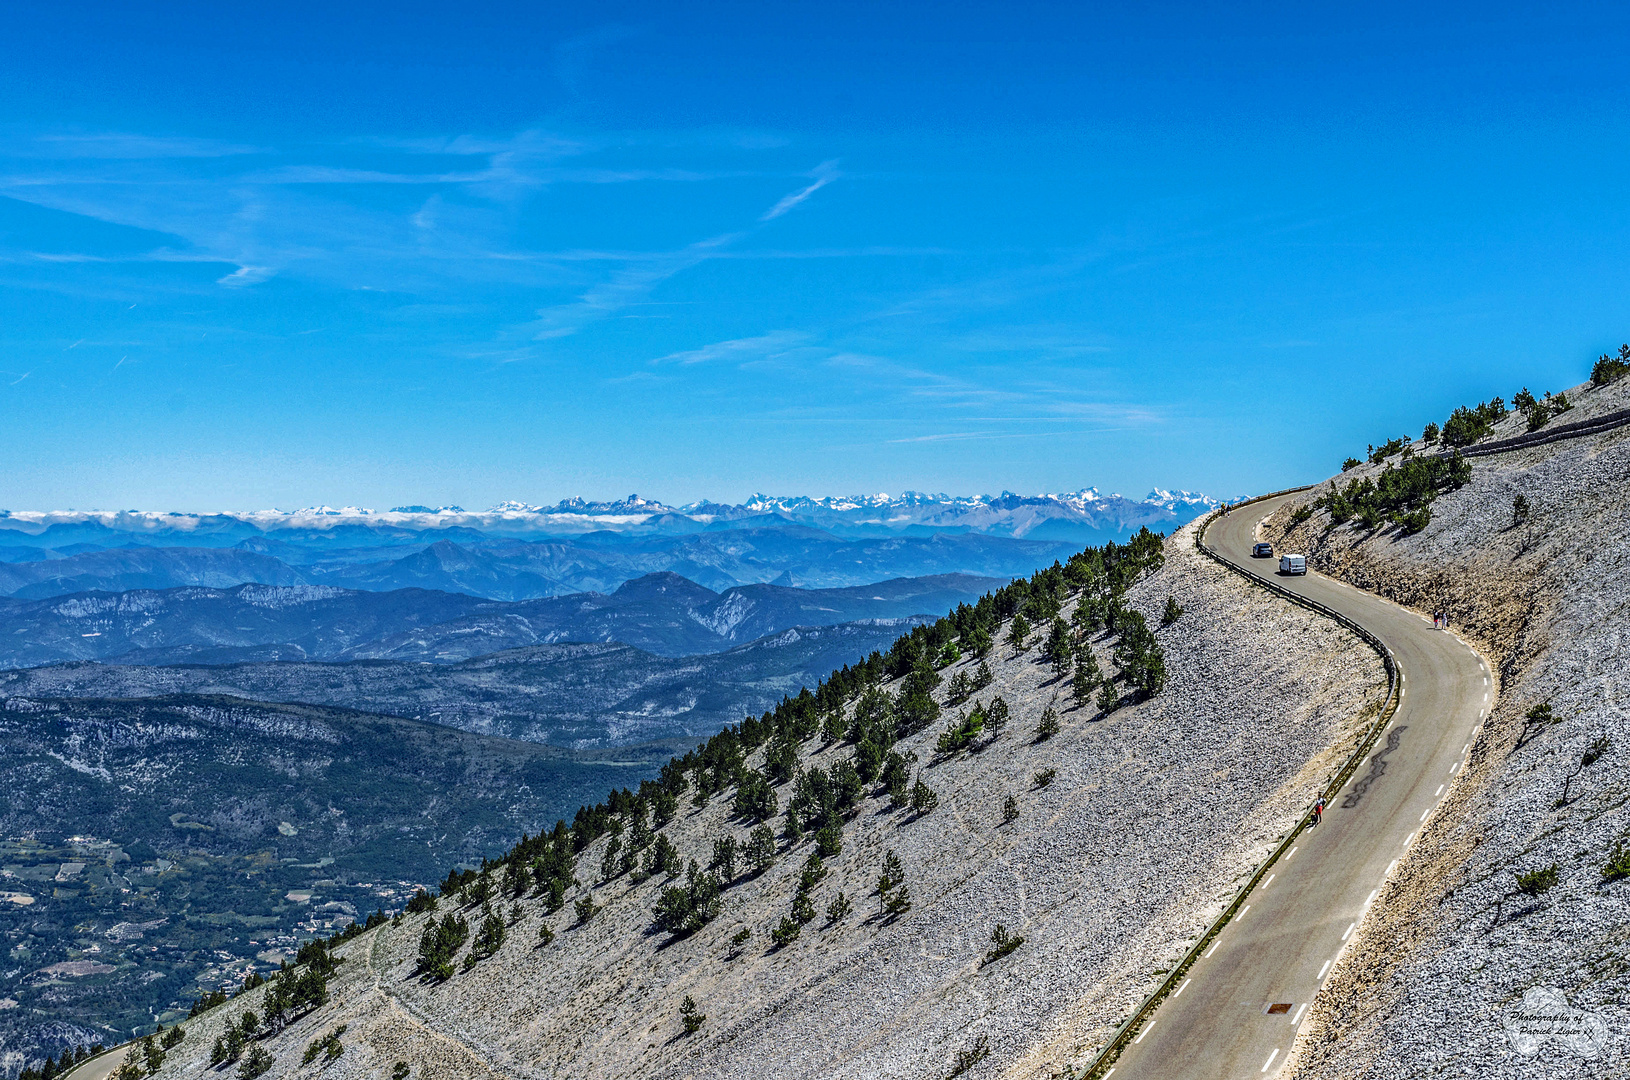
pixel 1503 948
pixel 999 885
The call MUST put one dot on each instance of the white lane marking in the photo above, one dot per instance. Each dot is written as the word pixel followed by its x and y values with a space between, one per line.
pixel 1439 791
pixel 1390 865
pixel 1177 995
pixel 1146 1029
pixel 1271 1056
pixel 1110 1073
pixel 1242 912
pixel 1298 1017
pixel 1322 970
pixel 1371 899
pixel 1291 855
pixel 1428 810
pixel 1213 948
pixel 1265 884
pixel 1408 838
pixel 1349 933
pixel 1453 767
pixel 1465 748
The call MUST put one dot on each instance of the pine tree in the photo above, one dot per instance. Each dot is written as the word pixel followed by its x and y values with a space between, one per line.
pixel 996 716
pixel 610 865
pixel 1060 648
pixel 893 873
pixel 1172 613
pixel 829 840
pixel 1049 724
pixel 760 851
pixel 1108 699
pixel 1010 810
pixel 663 807
pixel 1087 675
pixel 585 909
pixel 803 909
pixel 838 908
pixel 898 902
pixel 923 798
pixel 724 857
pixel 982 676
pixel 1018 632
pixel 786 932
pixel 256 1064
pixel 690 1015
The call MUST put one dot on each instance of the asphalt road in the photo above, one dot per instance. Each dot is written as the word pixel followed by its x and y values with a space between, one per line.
pixel 99 1068
pixel 1242 1002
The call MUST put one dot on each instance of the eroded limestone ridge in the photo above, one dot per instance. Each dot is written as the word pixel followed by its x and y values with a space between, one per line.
pixel 1027 882
pixel 1500 949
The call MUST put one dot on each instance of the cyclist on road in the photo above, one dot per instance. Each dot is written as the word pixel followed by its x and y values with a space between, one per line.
pixel 1318 811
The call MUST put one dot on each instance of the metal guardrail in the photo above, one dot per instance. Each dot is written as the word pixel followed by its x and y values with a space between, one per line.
pixel 1595 425
pixel 1389 706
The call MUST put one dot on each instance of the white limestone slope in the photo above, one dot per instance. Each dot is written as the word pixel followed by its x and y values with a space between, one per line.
pixel 1156 814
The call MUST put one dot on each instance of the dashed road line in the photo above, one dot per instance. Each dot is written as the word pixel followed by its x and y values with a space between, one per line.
pixel 1265 884
pixel 1349 933
pixel 1150 1026
pixel 1320 976
pixel 1298 1017
pixel 1428 810
pixel 1439 791
pixel 1292 853
pixel 1179 993
pixel 1242 912
pixel 1269 1062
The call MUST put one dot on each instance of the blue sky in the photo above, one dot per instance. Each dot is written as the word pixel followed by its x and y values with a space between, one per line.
pixel 262 255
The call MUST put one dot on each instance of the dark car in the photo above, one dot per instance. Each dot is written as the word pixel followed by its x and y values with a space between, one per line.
pixel 1262 551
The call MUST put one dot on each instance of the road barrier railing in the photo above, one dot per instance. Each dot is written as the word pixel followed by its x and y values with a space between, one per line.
pixel 1389 705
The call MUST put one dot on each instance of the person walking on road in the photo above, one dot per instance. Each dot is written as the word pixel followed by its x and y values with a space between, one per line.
pixel 1318 811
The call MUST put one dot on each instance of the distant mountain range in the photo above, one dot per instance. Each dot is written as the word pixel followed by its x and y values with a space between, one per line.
pixel 518 551
pixel 659 613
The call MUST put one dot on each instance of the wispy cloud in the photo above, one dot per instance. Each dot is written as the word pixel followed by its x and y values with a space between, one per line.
pixel 127 146
pixel 823 174
pixel 738 349
pixel 246 275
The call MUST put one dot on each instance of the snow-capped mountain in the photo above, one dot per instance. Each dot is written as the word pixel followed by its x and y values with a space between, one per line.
pixel 520 550
pixel 1061 515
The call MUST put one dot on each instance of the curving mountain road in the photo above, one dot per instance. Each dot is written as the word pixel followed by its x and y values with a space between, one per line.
pixel 1238 1010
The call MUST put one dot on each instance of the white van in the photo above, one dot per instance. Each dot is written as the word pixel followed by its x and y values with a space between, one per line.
pixel 1293 564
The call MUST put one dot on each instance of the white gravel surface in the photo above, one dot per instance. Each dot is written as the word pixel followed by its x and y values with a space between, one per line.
pixel 1157 814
